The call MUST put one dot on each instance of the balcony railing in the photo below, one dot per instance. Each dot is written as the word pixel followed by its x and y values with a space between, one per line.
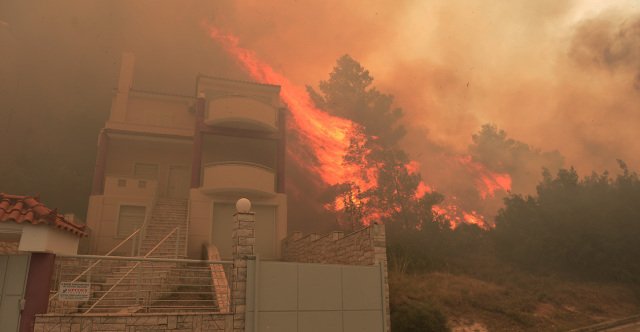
pixel 242 112
pixel 239 177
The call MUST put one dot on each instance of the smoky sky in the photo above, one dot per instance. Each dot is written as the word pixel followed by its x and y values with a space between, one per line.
pixel 558 75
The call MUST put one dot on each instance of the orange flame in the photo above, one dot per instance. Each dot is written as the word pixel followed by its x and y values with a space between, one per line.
pixel 451 210
pixel 329 138
pixel 487 181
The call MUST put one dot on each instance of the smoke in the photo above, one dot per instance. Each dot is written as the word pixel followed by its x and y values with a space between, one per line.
pixel 557 75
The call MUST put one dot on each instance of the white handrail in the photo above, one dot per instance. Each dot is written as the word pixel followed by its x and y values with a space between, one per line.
pixel 99 260
pixel 186 231
pixel 135 266
pixel 145 224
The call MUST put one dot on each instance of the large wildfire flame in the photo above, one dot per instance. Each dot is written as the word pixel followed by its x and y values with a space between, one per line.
pixel 329 138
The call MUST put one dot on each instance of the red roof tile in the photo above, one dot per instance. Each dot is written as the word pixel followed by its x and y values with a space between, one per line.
pixel 29 209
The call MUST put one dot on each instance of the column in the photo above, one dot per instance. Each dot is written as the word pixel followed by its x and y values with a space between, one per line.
pixel 242 248
pixel 37 291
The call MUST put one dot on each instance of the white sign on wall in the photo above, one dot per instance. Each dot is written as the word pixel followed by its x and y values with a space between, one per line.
pixel 74 291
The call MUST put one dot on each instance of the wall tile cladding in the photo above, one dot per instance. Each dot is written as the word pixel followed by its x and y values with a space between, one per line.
pixel 364 247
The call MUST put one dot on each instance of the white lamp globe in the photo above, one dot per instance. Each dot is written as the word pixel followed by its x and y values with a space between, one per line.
pixel 243 205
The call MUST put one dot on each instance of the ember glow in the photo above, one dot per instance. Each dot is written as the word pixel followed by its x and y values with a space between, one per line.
pixel 329 137
pixel 452 211
pixel 487 181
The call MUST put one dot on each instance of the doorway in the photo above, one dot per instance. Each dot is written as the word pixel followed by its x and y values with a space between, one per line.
pixel 179 182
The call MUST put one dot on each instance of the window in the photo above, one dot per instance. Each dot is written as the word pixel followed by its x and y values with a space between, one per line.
pixel 145 171
pixel 130 218
pixel 122 183
pixel 142 184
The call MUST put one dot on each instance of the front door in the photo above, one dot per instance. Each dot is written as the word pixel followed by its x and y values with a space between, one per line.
pixel 178 184
pixel 13 279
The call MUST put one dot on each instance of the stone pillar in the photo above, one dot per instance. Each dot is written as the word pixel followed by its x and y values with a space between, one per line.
pixel 242 248
pixel 380 254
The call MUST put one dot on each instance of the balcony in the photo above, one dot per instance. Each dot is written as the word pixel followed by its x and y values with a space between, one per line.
pixel 242 112
pixel 115 185
pixel 239 177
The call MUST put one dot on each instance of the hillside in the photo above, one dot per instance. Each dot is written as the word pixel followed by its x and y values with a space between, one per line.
pixel 484 294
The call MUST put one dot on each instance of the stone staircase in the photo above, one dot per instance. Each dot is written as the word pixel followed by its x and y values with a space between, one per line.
pixel 165 286
pixel 167 214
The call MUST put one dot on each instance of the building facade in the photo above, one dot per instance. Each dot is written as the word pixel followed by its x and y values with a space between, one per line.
pixel 169 163
pixel 205 151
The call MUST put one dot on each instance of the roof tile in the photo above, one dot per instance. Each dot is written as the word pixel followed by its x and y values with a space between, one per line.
pixel 22 209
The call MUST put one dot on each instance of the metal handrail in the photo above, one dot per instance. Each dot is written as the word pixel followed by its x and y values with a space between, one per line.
pixel 149 259
pixel 179 284
pixel 145 224
pixel 162 241
pixel 100 259
pixel 134 267
pixel 186 231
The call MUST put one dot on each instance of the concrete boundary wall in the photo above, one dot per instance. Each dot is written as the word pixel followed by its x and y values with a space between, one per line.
pixel 365 247
pixel 303 297
pixel 136 322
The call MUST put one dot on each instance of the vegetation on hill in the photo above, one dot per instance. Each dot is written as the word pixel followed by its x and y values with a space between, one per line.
pixel 560 259
pixel 583 227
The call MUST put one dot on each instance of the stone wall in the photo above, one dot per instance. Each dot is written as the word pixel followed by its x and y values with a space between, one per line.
pixel 219 277
pixel 136 322
pixel 366 247
pixel 8 248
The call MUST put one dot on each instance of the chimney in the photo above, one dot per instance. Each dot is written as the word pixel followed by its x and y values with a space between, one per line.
pixel 119 104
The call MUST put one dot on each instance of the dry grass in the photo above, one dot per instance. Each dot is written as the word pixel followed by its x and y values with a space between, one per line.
pixel 496 297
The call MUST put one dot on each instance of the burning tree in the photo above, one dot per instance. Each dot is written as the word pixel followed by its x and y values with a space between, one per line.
pixel 349 94
pixel 494 150
pixel 390 187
